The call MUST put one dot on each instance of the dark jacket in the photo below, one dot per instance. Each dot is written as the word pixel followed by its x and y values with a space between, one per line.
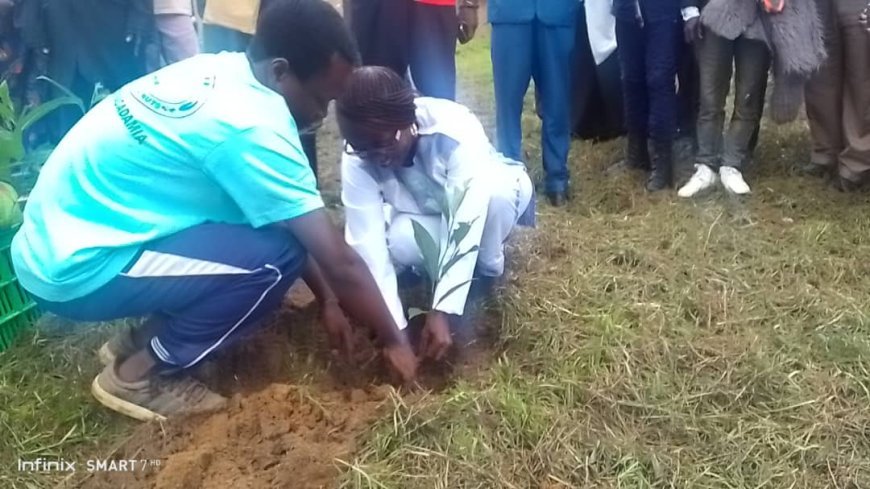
pixel 650 10
pixel 548 12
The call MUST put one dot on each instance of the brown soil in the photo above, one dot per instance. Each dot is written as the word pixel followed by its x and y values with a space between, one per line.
pixel 295 413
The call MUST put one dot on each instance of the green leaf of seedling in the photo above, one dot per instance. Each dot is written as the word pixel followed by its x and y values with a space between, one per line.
pixel 414 312
pixel 34 114
pixel 450 292
pixel 461 231
pixel 430 250
pixel 67 93
pixel 447 266
pixel 7 108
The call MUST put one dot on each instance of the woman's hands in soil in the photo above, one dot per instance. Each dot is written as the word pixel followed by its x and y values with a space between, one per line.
pixel 436 339
pixel 338 328
pixel 401 359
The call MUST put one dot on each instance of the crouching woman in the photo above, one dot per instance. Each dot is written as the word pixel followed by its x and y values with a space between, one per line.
pixel 405 158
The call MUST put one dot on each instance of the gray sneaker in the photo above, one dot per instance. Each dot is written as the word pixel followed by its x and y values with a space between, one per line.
pixel 157 398
pixel 121 345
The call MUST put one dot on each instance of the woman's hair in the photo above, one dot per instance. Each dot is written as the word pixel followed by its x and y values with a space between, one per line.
pixel 379 98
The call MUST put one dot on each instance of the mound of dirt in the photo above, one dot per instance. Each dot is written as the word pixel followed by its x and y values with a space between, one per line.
pixel 283 436
pixel 295 412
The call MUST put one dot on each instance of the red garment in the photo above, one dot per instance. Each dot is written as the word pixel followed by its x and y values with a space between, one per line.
pixel 445 3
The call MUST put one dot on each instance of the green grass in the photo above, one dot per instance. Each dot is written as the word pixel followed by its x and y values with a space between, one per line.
pixel 646 342
pixel 652 342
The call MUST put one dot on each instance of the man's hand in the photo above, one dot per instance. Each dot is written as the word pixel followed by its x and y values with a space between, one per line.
pixel 436 339
pixel 338 328
pixel 468 21
pixel 402 361
pixel 693 30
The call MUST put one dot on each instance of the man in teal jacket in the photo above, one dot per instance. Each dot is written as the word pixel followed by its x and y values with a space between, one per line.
pixel 535 39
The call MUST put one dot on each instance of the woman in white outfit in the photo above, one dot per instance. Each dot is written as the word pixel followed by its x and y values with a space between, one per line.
pixel 406 153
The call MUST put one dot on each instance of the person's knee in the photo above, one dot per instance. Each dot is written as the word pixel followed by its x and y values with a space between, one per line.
pixel 401 243
pixel 280 250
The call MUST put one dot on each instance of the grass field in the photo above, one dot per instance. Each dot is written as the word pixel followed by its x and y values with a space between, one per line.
pixel 645 342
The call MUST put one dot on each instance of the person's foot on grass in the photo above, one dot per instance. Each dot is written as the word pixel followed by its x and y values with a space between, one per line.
pixel 843 184
pixel 557 199
pixel 155 398
pixel 733 180
pixel 703 179
pixel 815 170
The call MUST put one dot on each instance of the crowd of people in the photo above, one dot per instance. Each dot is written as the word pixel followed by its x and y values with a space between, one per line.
pixel 189 196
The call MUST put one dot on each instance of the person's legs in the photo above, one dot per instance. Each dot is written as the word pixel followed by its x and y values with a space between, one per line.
pixel 661 73
pixel 631 38
pixel 512 48
pixel 855 157
pixel 508 202
pixel 752 62
pixel 715 57
pixel 552 72
pixel 381 29
pixel 207 286
pixel 715 64
pixel 824 99
pixel 433 50
pixel 178 38
pixel 510 197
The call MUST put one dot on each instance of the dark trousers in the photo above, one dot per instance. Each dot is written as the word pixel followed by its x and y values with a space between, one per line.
pixel 749 62
pixel 208 286
pixel 521 52
pixel 381 28
pixel 649 56
pixel 838 96
pixel 403 35
pixel 433 50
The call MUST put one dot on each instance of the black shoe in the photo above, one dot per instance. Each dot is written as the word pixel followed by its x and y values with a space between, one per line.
pixel 557 199
pixel 637 153
pixel 845 185
pixel 662 162
pixel 816 170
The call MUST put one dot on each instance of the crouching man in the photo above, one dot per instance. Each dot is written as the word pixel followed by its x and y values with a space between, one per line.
pixel 186 197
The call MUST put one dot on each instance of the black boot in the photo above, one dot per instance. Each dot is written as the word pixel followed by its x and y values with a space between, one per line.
pixel 637 153
pixel 662 162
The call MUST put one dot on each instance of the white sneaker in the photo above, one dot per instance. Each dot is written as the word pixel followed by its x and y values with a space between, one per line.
pixel 703 179
pixel 733 180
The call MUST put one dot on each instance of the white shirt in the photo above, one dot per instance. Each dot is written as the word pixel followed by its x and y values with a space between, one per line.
pixel 453 150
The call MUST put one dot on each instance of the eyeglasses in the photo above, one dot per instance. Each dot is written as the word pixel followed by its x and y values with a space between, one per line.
pixel 374 153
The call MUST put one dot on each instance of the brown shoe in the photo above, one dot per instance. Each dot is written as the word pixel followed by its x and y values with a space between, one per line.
pixel 156 398
pixel 121 345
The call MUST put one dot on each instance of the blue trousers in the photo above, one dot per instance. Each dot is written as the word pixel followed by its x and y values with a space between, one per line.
pixel 522 52
pixel 649 57
pixel 209 284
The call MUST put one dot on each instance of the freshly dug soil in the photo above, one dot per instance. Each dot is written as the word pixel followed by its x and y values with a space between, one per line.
pixel 295 413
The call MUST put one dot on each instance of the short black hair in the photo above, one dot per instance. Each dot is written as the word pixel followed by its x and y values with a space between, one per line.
pixel 307 33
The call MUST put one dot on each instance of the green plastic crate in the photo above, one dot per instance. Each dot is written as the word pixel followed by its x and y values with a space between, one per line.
pixel 17 309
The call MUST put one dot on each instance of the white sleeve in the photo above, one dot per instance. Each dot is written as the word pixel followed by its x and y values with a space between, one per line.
pixel 451 291
pixel 365 230
pixel 690 13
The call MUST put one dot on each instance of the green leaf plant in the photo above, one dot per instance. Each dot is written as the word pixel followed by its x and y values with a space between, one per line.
pixel 437 262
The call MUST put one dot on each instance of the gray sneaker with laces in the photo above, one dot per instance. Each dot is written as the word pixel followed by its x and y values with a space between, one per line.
pixel 157 398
